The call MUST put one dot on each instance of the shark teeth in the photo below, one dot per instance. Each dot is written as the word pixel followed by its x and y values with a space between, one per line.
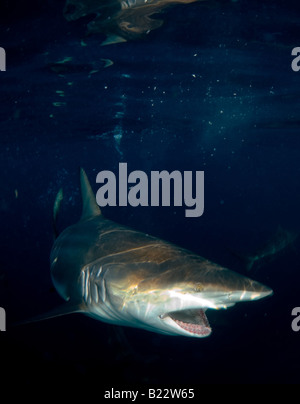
pixel 193 321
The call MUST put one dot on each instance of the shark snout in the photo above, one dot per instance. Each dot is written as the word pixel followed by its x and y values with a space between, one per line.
pixel 254 291
pixel 234 288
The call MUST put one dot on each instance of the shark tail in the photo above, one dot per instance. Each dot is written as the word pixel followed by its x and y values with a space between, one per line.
pixel 56 207
pixel 250 261
pixel 247 261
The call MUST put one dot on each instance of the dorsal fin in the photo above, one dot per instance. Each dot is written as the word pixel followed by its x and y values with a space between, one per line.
pixel 89 204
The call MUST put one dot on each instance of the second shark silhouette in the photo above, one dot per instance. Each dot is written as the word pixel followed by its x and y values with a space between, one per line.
pixel 120 20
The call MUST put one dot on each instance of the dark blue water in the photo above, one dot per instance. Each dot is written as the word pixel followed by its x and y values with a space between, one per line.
pixel 213 90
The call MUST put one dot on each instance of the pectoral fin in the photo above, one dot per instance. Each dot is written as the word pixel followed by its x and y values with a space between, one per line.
pixel 64 309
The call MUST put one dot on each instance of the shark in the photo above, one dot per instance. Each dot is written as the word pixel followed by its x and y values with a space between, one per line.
pixel 119 20
pixel 278 243
pixel 125 277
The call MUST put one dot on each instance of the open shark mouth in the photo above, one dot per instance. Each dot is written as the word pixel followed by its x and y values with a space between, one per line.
pixel 193 321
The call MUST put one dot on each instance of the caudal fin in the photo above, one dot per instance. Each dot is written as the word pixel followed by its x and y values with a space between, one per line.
pixel 56 208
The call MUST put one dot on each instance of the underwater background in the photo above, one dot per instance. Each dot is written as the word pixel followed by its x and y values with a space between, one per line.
pixel 212 88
